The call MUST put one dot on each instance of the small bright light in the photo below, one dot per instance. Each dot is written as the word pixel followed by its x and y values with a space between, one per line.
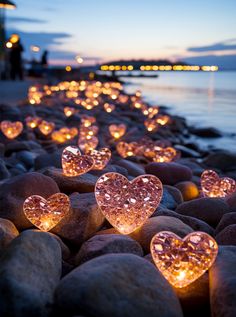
pixel 68 68
pixel 9 45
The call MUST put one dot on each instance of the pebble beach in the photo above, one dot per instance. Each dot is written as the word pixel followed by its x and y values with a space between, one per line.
pixel 88 263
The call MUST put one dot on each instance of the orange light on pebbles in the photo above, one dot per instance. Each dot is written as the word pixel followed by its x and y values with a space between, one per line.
pixel 46 127
pixel 69 111
pixel 162 120
pixel 109 107
pixel 182 261
pixel 127 205
pixel 74 163
pixel 101 158
pixel 87 121
pixel 117 130
pixel 127 149
pixel 88 143
pixel 46 213
pixel 159 154
pixel 151 125
pixel 11 129
pixel 32 122
pixel 214 186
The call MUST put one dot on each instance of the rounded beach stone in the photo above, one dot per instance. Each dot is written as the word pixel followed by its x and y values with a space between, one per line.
pixel 226 220
pixel 195 223
pixel 222 160
pixel 175 192
pixel 207 209
pixel 227 236
pixel 30 270
pixel 223 283
pixel 46 160
pixel 133 169
pixel 4 173
pixel 154 225
pixel 194 298
pixel 107 243
pixel 83 184
pixel 8 232
pixel 83 220
pixel 14 192
pixel 189 190
pixel 169 173
pixel 231 200
pixel 121 285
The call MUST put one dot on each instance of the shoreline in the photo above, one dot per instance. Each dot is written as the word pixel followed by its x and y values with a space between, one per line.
pixel 84 253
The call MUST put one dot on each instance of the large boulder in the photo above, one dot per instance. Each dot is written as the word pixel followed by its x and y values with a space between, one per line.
pixel 223 283
pixel 14 191
pixel 206 209
pixel 108 243
pixel 119 285
pixel 83 220
pixel 30 270
pixel 169 173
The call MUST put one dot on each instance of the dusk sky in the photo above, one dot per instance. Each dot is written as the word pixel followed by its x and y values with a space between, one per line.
pixel 104 30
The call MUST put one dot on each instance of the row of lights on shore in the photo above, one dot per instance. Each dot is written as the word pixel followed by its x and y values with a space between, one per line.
pixel 212 68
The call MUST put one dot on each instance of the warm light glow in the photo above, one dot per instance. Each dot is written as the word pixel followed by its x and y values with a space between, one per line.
pixel 9 45
pixel 117 131
pixel 127 205
pixel 46 127
pixel 127 149
pixel 35 48
pixel 101 158
pixel 46 213
pixel 11 129
pixel 182 261
pixel 68 68
pixel 214 186
pixel 74 163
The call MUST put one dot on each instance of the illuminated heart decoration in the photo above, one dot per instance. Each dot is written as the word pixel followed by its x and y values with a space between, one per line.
pixel 127 149
pixel 73 163
pixel 182 261
pixel 117 130
pixel 214 186
pixel 11 129
pixel 101 158
pixel 46 127
pixel 88 143
pixel 46 213
pixel 158 154
pixel 127 205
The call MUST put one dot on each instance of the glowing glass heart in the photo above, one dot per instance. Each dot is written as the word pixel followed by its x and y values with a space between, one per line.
pixel 109 107
pixel 158 154
pixel 127 205
pixel 214 186
pixel 73 163
pixel 151 125
pixel 101 158
pixel 11 129
pixel 46 127
pixel 32 122
pixel 182 261
pixel 88 143
pixel 117 130
pixel 127 149
pixel 46 213
pixel 163 119
pixel 69 111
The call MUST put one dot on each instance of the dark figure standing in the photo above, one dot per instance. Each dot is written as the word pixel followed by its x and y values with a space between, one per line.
pixel 44 59
pixel 16 61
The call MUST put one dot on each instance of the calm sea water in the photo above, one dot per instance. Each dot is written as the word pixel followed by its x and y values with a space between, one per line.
pixel 204 99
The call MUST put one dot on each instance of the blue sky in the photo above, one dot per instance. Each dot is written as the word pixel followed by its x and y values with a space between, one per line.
pixel 104 30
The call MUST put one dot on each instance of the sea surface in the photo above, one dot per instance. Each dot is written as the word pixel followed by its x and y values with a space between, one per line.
pixel 205 99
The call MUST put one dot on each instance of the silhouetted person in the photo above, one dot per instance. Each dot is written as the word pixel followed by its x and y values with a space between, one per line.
pixel 15 58
pixel 44 59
